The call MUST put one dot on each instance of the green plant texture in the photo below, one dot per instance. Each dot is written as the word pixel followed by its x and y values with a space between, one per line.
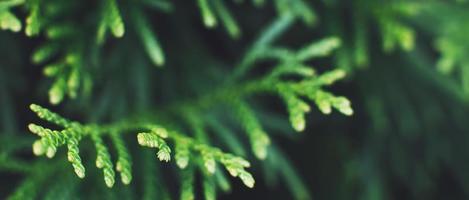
pixel 202 99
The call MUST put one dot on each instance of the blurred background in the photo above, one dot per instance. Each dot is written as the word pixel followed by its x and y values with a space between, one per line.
pixel 408 81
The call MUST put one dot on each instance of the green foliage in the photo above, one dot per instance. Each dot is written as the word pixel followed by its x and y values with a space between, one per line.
pixel 258 137
pixel 71 72
pixel 207 14
pixel 73 132
pixel 152 140
pixel 394 32
pixel 33 21
pixel 148 38
pixel 8 21
pixel 390 18
pixel 206 113
pixel 64 62
pixel 111 20
pixel 189 151
pixel 103 159
pixel 124 163
pixel 187 185
pixel 69 59
pixel 451 41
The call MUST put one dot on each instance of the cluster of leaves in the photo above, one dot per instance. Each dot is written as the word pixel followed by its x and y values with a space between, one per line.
pixel 73 132
pixel 389 18
pixel 70 54
pixel 394 21
pixel 69 57
pixel 195 152
pixel 403 140
pixel 397 22
pixel 66 52
pixel 8 21
pixel 409 104
pixel 450 30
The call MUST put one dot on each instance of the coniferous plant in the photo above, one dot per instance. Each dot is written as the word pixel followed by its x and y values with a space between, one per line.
pixel 189 100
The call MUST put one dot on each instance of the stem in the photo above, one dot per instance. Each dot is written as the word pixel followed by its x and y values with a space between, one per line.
pixel 268 36
pixel 219 96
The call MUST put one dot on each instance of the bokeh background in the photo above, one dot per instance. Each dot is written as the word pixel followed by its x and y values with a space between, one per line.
pixel 407 138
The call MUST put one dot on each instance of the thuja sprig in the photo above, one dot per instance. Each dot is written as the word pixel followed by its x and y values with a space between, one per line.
pixel 124 163
pixel 110 20
pixel 33 21
pixel 65 62
pixel 71 135
pixel 390 19
pixel 155 137
pixel 51 139
pixel 235 165
pixel 188 151
pixel 394 32
pixel 8 21
pixel 209 187
pixel 257 136
pixel 450 39
pixel 69 75
pixel 70 71
pixel 182 153
pixel 292 92
pixel 103 159
pixel 152 140
pixel 147 37
pixel 309 86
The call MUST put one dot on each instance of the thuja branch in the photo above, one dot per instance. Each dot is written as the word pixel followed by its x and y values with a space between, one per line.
pixel 154 136
pixel 311 87
pixel 157 133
